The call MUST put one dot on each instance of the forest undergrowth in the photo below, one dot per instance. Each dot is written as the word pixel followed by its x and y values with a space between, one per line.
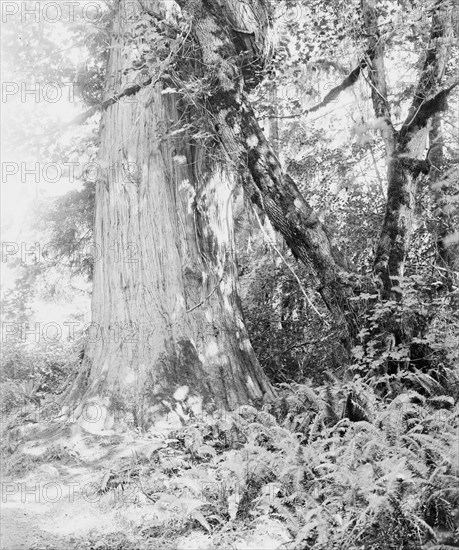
pixel 335 466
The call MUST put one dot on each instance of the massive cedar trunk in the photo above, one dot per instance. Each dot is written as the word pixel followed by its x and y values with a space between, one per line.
pixel 165 307
pixel 218 27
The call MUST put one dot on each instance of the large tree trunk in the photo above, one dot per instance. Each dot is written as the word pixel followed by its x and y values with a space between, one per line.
pixel 165 307
pixel 252 155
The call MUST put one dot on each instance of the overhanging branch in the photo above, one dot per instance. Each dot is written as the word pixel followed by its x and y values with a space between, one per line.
pixel 426 110
pixel 333 94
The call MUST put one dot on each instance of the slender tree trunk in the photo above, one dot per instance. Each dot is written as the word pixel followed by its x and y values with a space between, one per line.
pixel 405 149
pixel 436 155
pixel 444 224
pixel 406 160
pixel 165 308
pixel 396 231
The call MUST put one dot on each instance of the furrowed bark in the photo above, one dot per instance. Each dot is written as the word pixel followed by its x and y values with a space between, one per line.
pixel 165 307
pixel 264 179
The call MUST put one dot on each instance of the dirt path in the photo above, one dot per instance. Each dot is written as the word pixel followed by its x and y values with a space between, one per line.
pixel 52 503
pixel 20 531
pixel 40 513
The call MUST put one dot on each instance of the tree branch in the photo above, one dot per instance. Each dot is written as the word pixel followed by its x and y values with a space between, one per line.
pixel 426 110
pixel 377 74
pixel 422 109
pixel 350 80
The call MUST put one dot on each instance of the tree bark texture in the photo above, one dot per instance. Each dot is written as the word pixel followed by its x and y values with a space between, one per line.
pixel 253 157
pixel 165 306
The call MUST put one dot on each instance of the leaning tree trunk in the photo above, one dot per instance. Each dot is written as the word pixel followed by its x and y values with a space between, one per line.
pixel 228 30
pixel 165 308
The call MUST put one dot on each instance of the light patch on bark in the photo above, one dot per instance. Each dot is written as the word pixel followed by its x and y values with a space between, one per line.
pixel 181 393
pixel 180 159
pixel 180 304
pixel 95 417
pixel 212 349
pixel 226 287
pixel 240 323
pixel 130 377
pixel 250 383
pixel 227 304
pixel 190 194
pixel 264 149
pixel 245 345
pixel 252 141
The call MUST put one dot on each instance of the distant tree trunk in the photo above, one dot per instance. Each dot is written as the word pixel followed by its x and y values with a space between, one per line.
pixel 406 148
pixel 436 157
pixel 165 306
pixel 444 225
pixel 406 161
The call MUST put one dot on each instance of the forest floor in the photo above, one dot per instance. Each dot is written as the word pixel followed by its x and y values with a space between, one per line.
pixel 63 489
pixel 50 494
pixel 242 480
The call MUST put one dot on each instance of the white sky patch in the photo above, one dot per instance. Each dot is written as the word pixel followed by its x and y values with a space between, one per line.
pixel 36 178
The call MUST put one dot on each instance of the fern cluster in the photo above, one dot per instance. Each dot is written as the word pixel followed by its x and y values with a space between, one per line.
pixel 331 467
